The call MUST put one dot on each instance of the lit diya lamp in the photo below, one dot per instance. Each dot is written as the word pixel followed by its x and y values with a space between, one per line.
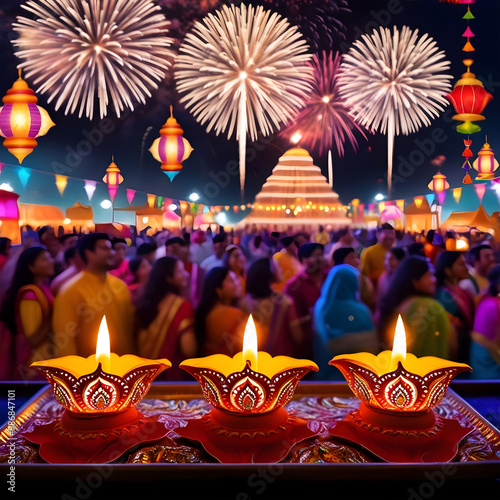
pixel 398 391
pixel 248 392
pixel 99 394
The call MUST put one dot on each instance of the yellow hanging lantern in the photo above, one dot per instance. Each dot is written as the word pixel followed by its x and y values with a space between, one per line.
pixel 485 163
pixel 113 179
pixel 171 149
pixel 21 120
pixel 439 185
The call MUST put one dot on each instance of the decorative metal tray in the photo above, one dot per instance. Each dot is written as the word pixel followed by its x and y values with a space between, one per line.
pixel 319 458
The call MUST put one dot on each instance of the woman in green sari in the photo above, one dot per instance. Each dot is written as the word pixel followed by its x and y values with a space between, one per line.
pixel 427 325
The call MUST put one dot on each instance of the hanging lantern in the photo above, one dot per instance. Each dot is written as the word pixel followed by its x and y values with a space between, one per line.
pixel 469 98
pixel 485 163
pixel 113 179
pixel 21 120
pixel 171 149
pixel 439 185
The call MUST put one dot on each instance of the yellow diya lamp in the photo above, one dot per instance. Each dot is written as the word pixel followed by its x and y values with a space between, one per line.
pixel 99 394
pixel 398 391
pixel 248 392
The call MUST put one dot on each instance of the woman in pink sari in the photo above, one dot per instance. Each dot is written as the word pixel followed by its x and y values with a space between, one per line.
pixel 27 312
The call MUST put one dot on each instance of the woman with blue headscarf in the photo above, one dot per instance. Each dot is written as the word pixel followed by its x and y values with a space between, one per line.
pixel 343 324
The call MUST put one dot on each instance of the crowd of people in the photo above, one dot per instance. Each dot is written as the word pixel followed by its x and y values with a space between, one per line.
pixel 311 296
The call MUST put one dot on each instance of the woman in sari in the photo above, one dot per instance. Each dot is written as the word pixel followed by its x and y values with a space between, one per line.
pixel 276 322
pixel 165 319
pixel 485 338
pixel 27 313
pixel 219 324
pixel 234 259
pixel 343 323
pixel 427 325
pixel 140 268
pixel 458 303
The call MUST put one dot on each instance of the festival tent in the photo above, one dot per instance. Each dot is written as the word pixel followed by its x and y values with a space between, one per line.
pixel 296 195
pixel 81 217
pixel 145 216
pixel 420 217
pixel 464 221
pixel 40 215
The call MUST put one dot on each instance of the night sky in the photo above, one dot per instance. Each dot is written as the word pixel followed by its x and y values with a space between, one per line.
pixel 360 174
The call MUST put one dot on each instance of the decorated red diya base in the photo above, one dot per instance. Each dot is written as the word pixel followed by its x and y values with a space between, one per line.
pixel 235 438
pixel 393 437
pixel 87 438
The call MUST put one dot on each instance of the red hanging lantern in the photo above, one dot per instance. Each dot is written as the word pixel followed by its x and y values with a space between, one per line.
pixel 171 149
pixel 469 98
pixel 113 179
pixel 21 120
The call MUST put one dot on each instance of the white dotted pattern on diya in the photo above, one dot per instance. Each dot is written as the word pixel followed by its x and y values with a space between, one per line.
pixel 437 391
pixel 401 393
pixel 100 395
pixel 210 391
pixel 286 392
pixel 139 389
pixel 361 389
pixel 247 394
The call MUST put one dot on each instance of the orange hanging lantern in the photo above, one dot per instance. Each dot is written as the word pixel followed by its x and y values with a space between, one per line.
pixel 113 179
pixel 439 185
pixel 171 149
pixel 485 163
pixel 21 120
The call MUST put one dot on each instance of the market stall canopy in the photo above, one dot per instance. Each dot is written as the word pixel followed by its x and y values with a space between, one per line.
pixel 144 210
pixel 463 221
pixel 40 215
pixel 79 212
pixel 419 216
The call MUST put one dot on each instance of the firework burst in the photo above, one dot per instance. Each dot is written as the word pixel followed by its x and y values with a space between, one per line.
pixel 80 50
pixel 319 20
pixel 325 121
pixel 243 70
pixel 394 83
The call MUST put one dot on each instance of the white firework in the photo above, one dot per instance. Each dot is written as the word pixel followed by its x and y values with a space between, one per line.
pixel 394 83
pixel 80 50
pixel 244 70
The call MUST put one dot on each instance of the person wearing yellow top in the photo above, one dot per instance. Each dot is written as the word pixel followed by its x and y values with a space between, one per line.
pixel 287 262
pixel 321 237
pixel 372 258
pixel 84 300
